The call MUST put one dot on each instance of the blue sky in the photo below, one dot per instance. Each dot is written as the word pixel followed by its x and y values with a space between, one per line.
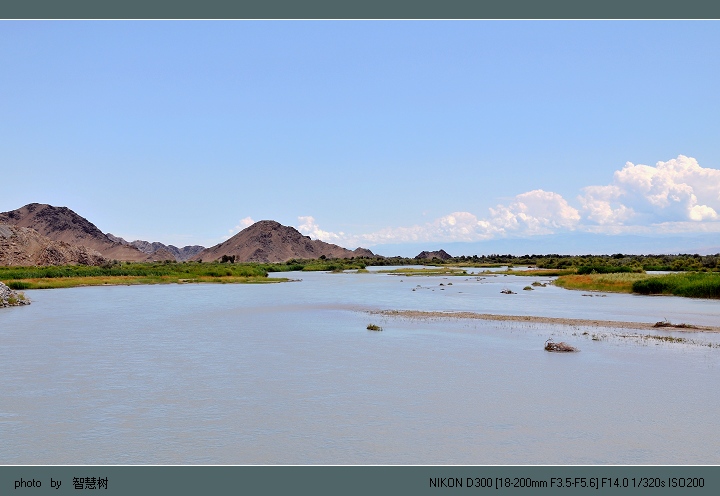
pixel 365 133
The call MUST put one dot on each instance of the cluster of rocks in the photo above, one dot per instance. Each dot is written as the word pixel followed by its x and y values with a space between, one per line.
pixel 10 298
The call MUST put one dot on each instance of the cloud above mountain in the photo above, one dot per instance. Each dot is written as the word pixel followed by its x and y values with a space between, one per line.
pixel 670 197
pixel 242 224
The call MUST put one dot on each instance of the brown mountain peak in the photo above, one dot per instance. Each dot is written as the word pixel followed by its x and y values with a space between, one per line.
pixel 62 224
pixel 269 241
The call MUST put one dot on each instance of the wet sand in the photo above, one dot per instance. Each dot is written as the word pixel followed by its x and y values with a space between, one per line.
pixel 614 324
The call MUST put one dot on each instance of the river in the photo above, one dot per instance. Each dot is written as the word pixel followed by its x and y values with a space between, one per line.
pixel 288 374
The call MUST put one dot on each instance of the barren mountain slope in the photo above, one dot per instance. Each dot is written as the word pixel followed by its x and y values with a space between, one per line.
pixel 270 241
pixel 180 254
pixel 62 224
pixel 25 246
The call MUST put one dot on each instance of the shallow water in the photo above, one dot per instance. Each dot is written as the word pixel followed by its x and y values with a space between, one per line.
pixel 287 374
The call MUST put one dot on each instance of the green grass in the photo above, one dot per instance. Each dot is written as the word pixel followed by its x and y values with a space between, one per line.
pixel 432 271
pixel 690 284
pixel 68 276
pixel 535 272
pixel 619 282
pixel 333 265
pixel 475 264
pixel 608 269
pixel 135 269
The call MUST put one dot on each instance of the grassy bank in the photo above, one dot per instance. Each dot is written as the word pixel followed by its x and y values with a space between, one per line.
pixel 68 276
pixel 618 282
pixel 693 285
pixel 536 272
pixel 689 284
pixel 431 271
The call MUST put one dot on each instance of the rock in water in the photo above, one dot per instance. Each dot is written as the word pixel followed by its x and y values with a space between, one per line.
pixel 10 298
pixel 550 345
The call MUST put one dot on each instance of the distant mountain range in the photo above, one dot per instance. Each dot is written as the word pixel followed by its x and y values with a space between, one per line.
pixel 168 252
pixel 40 234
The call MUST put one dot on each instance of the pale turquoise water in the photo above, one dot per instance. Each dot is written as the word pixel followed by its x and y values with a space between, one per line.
pixel 287 374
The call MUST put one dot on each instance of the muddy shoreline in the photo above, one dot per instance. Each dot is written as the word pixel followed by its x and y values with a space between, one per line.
pixel 614 324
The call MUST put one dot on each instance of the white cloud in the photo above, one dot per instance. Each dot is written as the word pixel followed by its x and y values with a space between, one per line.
pixel 308 227
pixel 674 191
pixel 702 212
pixel 242 224
pixel 457 226
pixel 535 212
pixel 677 196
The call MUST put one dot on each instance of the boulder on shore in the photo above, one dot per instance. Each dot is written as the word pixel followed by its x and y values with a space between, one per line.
pixel 11 298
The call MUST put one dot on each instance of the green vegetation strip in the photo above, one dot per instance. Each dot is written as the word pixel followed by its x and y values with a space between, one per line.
pixel 688 284
pixel 432 271
pixel 615 283
pixel 534 272
pixel 132 273
pixel 693 285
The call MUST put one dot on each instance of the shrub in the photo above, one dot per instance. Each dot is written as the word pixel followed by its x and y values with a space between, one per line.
pixel 18 285
pixel 695 285
pixel 606 269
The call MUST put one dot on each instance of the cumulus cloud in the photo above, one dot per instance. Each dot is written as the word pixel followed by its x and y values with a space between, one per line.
pixel 535 212
pixel 457 226
pixel 677 196
pixel 673 191
pixel 308 227
pixel 601 204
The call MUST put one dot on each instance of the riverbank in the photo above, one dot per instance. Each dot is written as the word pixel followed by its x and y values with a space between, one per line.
pixel 70 276
pixel 686 284
pixel 613 283
pixel 75 282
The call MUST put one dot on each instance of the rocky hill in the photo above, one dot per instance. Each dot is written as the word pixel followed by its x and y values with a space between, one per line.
pixel 62 224
pixel 269 241
pixel 25 246
pixel 157 249
pixel 429 255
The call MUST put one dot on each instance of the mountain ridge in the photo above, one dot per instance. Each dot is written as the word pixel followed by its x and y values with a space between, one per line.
pixel 67 237
pixel 63 224
pixel 151 248
pixel 268 241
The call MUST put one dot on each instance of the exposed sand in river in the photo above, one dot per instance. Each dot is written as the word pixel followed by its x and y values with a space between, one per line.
pixel 616 324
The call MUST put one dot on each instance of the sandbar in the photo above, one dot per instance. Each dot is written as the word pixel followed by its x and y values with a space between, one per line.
pixel 616 324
